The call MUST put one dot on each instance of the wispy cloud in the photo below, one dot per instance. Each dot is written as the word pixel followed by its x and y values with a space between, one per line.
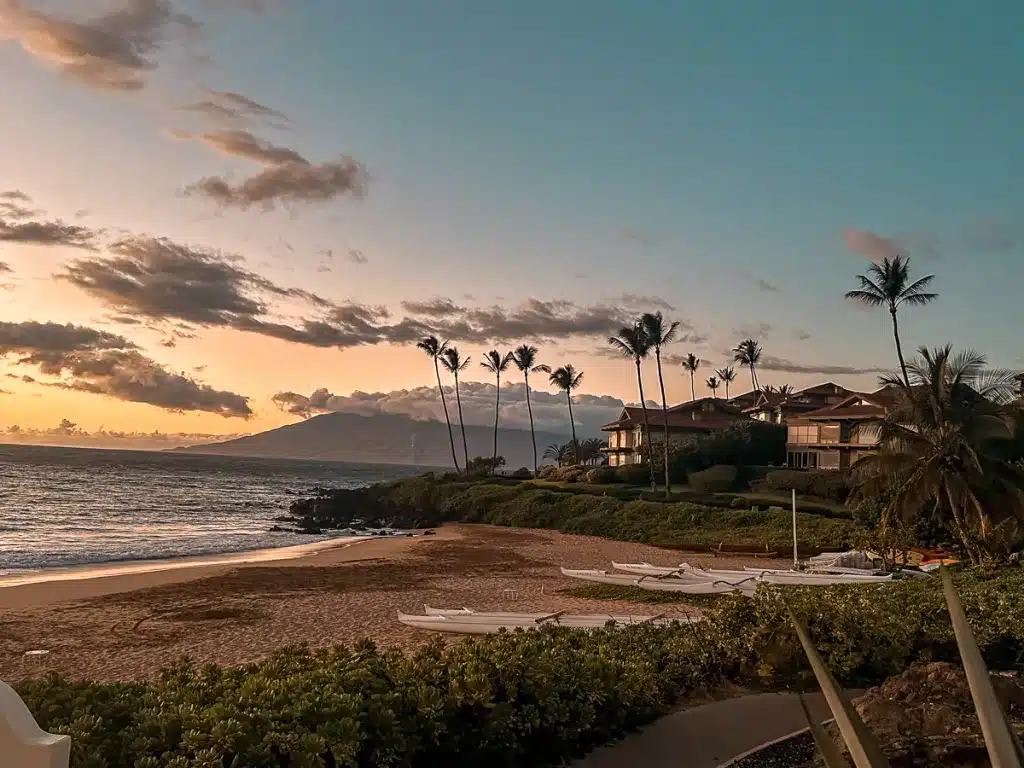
pixel 357 256
pixel 875 247
pixel 993 235
pixel 781 364
pixel 21 224
pixel 233 109
pixel 765 286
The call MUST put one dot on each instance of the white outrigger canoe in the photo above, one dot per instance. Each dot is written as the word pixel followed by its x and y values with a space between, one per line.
pixel 765 575
pixel 684 583
pixel 467 621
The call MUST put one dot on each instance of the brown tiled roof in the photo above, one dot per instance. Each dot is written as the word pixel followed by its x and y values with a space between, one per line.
pixel 678 417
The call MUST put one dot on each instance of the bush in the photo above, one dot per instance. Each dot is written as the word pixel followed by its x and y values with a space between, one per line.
pixel 522 473
pixel 527 698
pixel 602 476
pixel 717 479
pixel 547 472
pixel 834 486
pixel 634 474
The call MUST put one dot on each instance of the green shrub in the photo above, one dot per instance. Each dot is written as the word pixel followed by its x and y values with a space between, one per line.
pixel 789 480
pixel 634 474
pixel 717 479
pixel 528 698
pixel 523 473
pixel 602 476
pixel 824 484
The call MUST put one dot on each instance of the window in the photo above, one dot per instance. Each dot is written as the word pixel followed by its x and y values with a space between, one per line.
pixel 801 459
pixel 803 435
pixel 866 434
pixel 828 459
pixel 830 433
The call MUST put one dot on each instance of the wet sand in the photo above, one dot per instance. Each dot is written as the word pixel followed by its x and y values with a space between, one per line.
pixel 130 625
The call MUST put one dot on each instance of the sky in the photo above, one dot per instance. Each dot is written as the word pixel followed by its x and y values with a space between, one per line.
pixel 220 216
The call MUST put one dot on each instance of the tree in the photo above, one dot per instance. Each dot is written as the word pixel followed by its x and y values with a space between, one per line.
pixel 567 379
pixel 487 465
pixel 691 363
pixel 659 334
pixel 888 285
pixel 435 349
pixel 454 364
pixel 525 358
pixel 560 454
pixel 590 450
pixel 497 364
pixel 712 383
pixel 938 451
pixel 726 375
pixel 785 390
pixel 748 353
pixel 634 343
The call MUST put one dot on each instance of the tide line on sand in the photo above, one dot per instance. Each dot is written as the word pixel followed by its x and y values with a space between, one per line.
pixel 128 567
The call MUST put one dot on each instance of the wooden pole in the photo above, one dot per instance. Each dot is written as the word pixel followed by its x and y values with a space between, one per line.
pixel 796 559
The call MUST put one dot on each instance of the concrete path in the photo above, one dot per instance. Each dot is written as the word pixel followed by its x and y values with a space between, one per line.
pixel 708 735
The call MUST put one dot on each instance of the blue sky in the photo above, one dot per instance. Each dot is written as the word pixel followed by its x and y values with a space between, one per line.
pixel 709 155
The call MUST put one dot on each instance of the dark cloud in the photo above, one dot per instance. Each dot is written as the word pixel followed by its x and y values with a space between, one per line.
pixel 437 307
pixel 771 363
pixel 992 235
pixel 103 363
pixel 764 285
pixel 243 144
pixel 5 267
pixel 233 109
pixel 423 403
pixel 357 256
pixel 114 50
pixel 21 224
pixel 759 331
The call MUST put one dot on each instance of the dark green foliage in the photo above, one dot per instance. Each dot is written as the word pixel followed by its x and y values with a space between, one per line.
pixel 484 465
pixel 633 474
pixel 752 443
pixel 638 595
pixel 834 486
pixel 602 476
pixel 523 473
pixel 515 699
pixel 717 479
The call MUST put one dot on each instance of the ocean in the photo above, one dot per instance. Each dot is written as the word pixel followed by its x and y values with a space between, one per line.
pixel 75 506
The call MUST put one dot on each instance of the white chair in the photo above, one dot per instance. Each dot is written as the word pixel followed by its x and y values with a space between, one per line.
pixel 23 744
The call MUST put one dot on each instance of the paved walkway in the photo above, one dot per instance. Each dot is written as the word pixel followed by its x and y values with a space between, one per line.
pixel 708 735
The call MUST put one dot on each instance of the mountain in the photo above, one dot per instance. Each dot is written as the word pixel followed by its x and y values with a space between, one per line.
pixel 381 439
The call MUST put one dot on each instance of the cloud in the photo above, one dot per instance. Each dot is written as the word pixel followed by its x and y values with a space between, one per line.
pixel 992 235
pixel 243 144
pixel 113 51
pixel 103 363
pixel 771 363
pixel 233 109
pixel 876 248
pixel 5 267
pixel 644 303
pixel 636 236
pixel 290 183
pixel 24 225
pixel 357 257
pixel 801 335
pixel 424 403
pixel 759 331
pixel 437 307
pixel 764 285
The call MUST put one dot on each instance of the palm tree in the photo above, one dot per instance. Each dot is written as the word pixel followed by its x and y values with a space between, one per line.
pixel 559 453
pixel 454 364
pixel 659 334
pixel 748 353
pixel 634 343
pixel 713 386
pixel 785 390
pixel 567 379
pixel 525 358
pixel 497 364
pixel 769 389
pixel 888 285
pixel 591 450
pixel 937 449
pixel 726 376
pixel 691 363
pixel 435 349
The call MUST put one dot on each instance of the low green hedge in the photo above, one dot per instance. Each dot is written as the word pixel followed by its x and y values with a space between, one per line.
pixel 717 479
pixel 831 485
pixel 514 699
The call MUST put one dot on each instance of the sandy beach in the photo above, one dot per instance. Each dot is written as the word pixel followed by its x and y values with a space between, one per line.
pixel 130 625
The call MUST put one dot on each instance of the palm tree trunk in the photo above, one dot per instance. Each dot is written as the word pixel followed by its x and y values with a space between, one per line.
pixel 757 381
pixel 965 535
pixel 647 426
pixel 727 390
pixel 753 381
pixel 462 424
pixel 664 415
pixel 693 392
pixel 529 409
pixel 497 410
pixel 899 348
pixel 575 447
pixel 447 419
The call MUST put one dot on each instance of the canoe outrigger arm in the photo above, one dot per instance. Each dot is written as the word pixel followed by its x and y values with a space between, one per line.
pixel 549 617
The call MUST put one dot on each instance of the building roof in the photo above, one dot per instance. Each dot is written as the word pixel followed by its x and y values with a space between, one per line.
pixel 691 415
pixel 858 405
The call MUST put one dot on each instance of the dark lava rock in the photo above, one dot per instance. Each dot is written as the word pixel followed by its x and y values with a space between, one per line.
pixel 797 752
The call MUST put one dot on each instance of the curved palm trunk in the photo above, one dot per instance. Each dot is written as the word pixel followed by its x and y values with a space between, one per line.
pixel 575 446
pixel 757 381
pixel 647 425
pixel 693 391
pixel 497 410
pixel 664 415
pixel 899 348
pixel 529 409
pixel 727 390
pixel 447 418
pixel 462 424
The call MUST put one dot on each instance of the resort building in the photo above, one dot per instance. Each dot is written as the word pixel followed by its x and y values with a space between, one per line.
pixel 835 437
pixel 780 409
pixel 626 435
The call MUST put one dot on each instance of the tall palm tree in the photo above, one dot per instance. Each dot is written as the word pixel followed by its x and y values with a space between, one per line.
pixel 659 334
pixel 785 390
pixel 633 342
pixel 888 285
pixel 726 375
pixel 748 353
pixel 937 449
pixel 435 349
pixel 712 383
pixel 496 363
pixel 454 364
pixel 525 358
pixel 567 379
pixel 561 454
pixel 691 363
